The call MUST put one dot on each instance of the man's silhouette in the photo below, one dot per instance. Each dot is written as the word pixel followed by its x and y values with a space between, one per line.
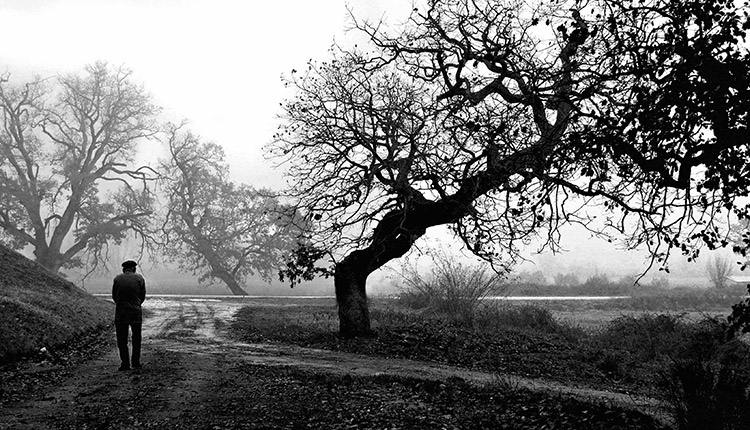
pixel 128 292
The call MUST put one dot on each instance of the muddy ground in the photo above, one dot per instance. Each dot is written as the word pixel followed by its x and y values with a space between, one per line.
pixel 195 376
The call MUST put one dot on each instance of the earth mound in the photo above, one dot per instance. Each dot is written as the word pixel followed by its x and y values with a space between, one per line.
pixel 39 309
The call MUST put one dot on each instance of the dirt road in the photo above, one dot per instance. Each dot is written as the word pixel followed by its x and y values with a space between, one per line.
pixel 192 370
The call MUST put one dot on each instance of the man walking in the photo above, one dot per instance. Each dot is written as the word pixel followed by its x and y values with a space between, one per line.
pixel 128 292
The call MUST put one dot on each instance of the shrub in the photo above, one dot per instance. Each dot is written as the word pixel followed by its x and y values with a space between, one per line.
pixel 451 288
pixel 524 317
pixel 705 378
pixel 710 392
pixel 645 337
pixel 640 347
pixel 567 280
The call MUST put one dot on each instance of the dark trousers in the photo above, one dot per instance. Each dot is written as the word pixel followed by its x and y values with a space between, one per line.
pixel 122 343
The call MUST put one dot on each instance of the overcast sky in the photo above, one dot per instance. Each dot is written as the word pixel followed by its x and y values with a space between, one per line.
pixel 216 63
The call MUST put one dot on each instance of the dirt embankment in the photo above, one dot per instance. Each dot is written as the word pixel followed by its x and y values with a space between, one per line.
pixel 39 309
pixel 196 377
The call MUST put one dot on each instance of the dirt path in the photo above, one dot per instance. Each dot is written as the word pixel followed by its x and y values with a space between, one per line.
pixel 186 358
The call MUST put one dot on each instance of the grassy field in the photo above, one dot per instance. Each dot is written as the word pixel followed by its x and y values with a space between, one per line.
pixel 562 341
pixel 680 356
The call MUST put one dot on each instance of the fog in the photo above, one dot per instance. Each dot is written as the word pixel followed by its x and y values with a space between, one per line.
pixel 584 256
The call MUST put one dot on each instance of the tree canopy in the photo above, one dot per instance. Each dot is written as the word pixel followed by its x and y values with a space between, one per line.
pixel 214 227
pixel 68 179
pixel 508 119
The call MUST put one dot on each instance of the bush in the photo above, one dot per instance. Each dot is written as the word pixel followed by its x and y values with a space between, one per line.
pixel 528 318
pixel 452 288
pixel 644 337
pixel 640 348
pixel 705 378
pixel 709 392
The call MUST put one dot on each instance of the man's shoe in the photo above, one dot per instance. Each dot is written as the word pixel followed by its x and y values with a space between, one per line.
pixel 137 366
pixel 124 368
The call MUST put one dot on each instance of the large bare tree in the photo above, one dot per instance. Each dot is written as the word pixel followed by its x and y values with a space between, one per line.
pixel 508 119
pixel 214 227
pixel 68 178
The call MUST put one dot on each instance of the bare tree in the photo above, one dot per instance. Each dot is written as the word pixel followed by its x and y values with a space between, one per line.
pixel 718 270
pixel 214 227
pixel 68 182
pixel 507 120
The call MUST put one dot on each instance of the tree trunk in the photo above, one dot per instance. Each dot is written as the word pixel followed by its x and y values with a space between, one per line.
pixel 235 288
pixel 392 238
pixel 232 284
pixel 350 281
pixel 51 261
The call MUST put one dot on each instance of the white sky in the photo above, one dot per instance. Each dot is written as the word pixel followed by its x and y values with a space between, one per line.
pixel 216 63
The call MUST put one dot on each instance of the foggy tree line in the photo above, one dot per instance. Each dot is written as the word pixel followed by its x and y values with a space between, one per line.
pixel 71 185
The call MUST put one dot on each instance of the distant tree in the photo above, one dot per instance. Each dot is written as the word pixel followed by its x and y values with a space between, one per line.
pixel 535 278
pixel 214 227
pixel 68 178
pixel 508 119
pixel 597 280
pixel 658 282
pixel 718 270
pixel 567 280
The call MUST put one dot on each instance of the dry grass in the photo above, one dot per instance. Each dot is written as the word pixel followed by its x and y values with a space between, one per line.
pixel 601 350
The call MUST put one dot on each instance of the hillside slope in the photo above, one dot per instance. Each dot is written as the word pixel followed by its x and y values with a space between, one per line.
pixel 39 309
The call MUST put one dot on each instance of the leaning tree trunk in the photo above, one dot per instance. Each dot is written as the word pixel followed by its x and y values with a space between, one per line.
pixel 205 249
pixel 49 259
pixel 350 281
pixel 235 288
pixel 392 238
pixel 231 283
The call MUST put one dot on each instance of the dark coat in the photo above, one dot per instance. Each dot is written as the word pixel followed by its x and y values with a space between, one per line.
pixel 128 292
